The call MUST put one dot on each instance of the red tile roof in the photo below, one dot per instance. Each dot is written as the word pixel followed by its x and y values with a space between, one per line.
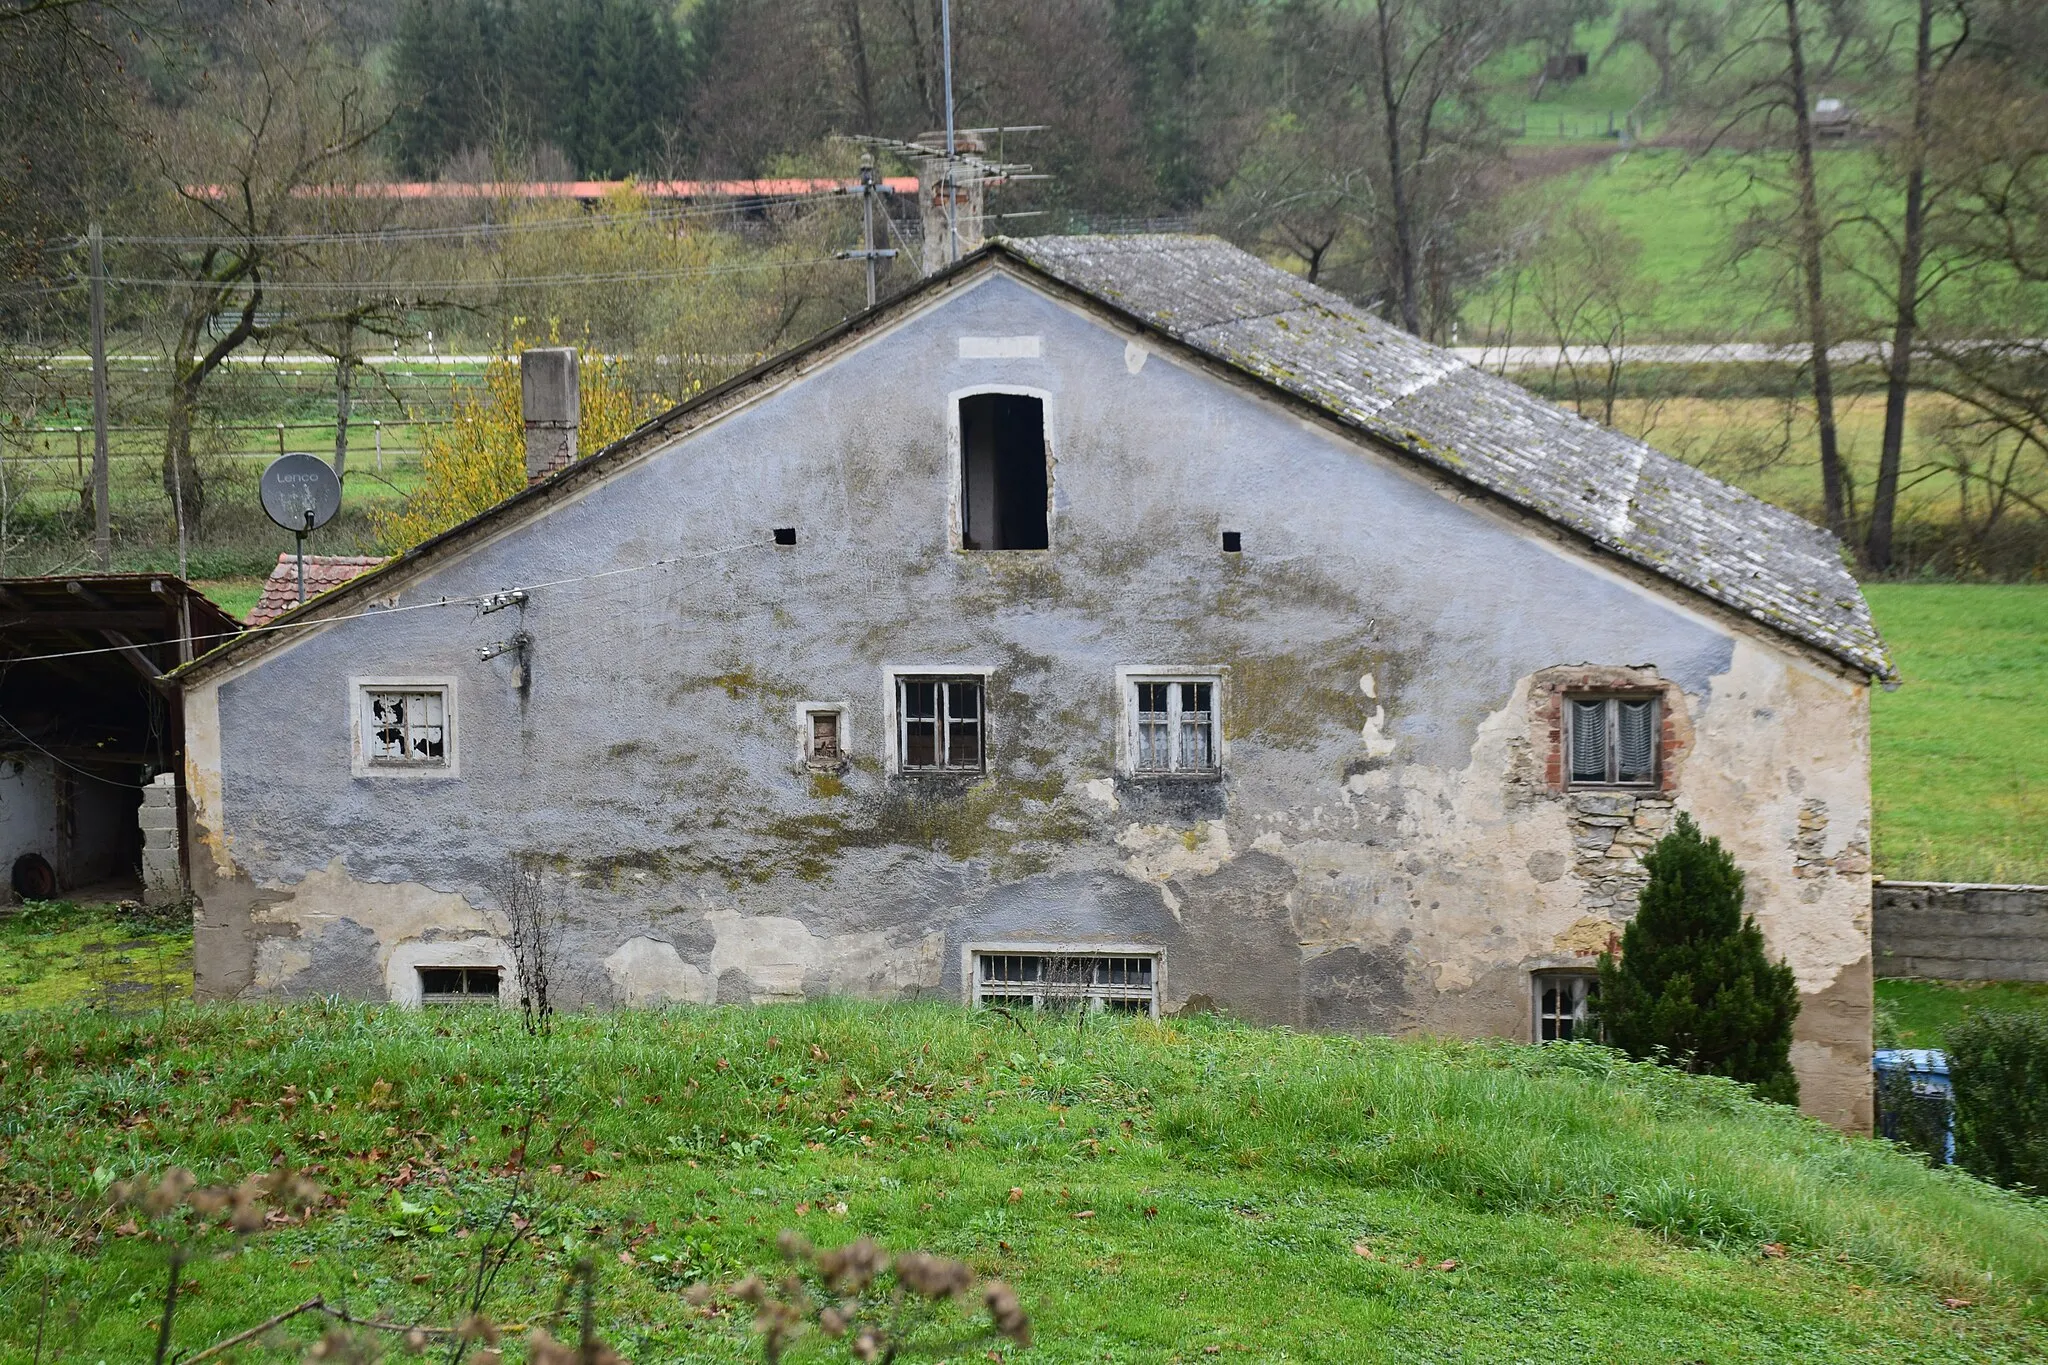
pixel 281 589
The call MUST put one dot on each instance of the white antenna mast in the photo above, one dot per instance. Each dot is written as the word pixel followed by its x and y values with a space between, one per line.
pixel 952 206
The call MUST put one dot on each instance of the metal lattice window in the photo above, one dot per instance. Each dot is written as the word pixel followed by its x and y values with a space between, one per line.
pixel 405 728
pixel 1123 983
pixel 940 725
pixel 1561 1000
pixel 459 985
pixel 1175 727
pixel 1612 741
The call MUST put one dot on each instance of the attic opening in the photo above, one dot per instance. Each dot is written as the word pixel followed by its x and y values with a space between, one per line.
pixel 1004 473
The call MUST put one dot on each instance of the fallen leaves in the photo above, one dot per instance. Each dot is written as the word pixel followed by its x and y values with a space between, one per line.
pixel 1774 1250
pixel 1361 1249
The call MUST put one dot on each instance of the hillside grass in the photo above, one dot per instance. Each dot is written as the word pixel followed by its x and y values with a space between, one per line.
pixel 1156 1192
pixel 60 953
pixel 1959 766
pixel 1914 1013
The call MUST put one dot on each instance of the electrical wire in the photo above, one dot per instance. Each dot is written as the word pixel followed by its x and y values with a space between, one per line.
pixel 439 602
pixel 125 786
pixel 435 286
pixel 735 208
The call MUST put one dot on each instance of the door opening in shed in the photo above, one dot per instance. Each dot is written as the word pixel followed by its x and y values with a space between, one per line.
pixel 1004 473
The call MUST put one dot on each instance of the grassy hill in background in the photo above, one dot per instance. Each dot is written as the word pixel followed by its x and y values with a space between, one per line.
pixel 1156 1192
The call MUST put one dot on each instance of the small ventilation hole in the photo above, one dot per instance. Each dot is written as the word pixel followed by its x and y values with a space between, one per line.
pixel 1233 542
pixel 785 535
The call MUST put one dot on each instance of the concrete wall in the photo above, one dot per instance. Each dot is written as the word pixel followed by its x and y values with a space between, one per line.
pixel 1387 850
pixel 82 823
pixel 1960 932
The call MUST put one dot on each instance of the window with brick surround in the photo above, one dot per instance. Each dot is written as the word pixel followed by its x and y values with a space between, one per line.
pixel 1612 741
pixel 1560 1000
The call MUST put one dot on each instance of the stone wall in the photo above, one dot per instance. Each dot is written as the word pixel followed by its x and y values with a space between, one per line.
pixel 1960 931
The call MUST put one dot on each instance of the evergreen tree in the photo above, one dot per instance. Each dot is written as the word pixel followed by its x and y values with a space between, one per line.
pixel 1693 986
pixel 447 68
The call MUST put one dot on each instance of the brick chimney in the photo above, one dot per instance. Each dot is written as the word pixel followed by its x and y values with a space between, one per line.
pixel 970 195
pixel 549 402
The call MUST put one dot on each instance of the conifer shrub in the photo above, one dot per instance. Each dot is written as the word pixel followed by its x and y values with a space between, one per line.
pixel 1693 986
pixel 1998 1062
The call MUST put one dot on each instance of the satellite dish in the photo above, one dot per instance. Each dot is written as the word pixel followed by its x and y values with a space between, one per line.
pixel 300 492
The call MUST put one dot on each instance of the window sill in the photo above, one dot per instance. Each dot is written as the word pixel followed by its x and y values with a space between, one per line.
pixel 1617 788
pixel 1173 779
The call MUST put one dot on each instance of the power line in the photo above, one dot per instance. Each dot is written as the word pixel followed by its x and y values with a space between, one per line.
pixel 376 236
pixel 438 286
pixel 473 599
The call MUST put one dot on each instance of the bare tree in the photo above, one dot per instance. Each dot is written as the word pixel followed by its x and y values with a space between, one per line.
pixel 245 164
pixel 535 916
pixel 1584 281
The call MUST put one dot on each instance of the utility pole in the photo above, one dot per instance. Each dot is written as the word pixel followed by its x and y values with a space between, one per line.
pixel 102 513
pixel 952 166
pixel 868 253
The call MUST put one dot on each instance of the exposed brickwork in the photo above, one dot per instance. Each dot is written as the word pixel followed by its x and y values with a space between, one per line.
pixel 1611 827
pixel 1809 847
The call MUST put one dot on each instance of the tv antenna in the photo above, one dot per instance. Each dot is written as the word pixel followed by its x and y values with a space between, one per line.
pixel 301 493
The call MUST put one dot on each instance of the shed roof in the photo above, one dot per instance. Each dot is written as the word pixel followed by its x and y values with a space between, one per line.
pixel 1657 511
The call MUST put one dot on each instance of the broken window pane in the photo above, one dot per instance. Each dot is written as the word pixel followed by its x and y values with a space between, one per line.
pixel 920 725
pixel 405 727
pixel 458 985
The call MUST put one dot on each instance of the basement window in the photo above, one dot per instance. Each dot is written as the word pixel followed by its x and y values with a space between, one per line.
pixel 404 727
pixel 1115 982
pixel 1004 473
pixel 459 985
pixel 1560 1000
pixel 939 725
pixel 1612 741
pixel 1173 727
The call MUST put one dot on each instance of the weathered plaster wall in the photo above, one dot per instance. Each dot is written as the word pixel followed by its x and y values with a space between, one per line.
pixel 1385 852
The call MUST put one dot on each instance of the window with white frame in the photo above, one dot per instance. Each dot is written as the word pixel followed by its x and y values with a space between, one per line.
pixel 1561 1002
pixel 1119 982
pixel 1612 741
pixel 1173 727
pixel 459 985
pixel 403 726
pixel 825 737
pixel 940 725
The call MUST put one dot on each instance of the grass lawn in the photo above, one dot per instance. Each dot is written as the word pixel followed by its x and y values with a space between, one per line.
pixel 58 953
pixel 1959 765
pixel 1156 1192
pixel 1920 1013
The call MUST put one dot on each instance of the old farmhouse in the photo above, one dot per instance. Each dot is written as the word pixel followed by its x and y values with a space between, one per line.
pixel 1119 618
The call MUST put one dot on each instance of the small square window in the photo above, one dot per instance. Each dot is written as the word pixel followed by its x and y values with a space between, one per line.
pixel 939 725
pixel 459 985
pixel 785 535
pixel 1612 741
pixel 1173 727
pixel 1233 542
pixel 825 737
pixel 1560 1001
pixel 1113 982
pixel 404 727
